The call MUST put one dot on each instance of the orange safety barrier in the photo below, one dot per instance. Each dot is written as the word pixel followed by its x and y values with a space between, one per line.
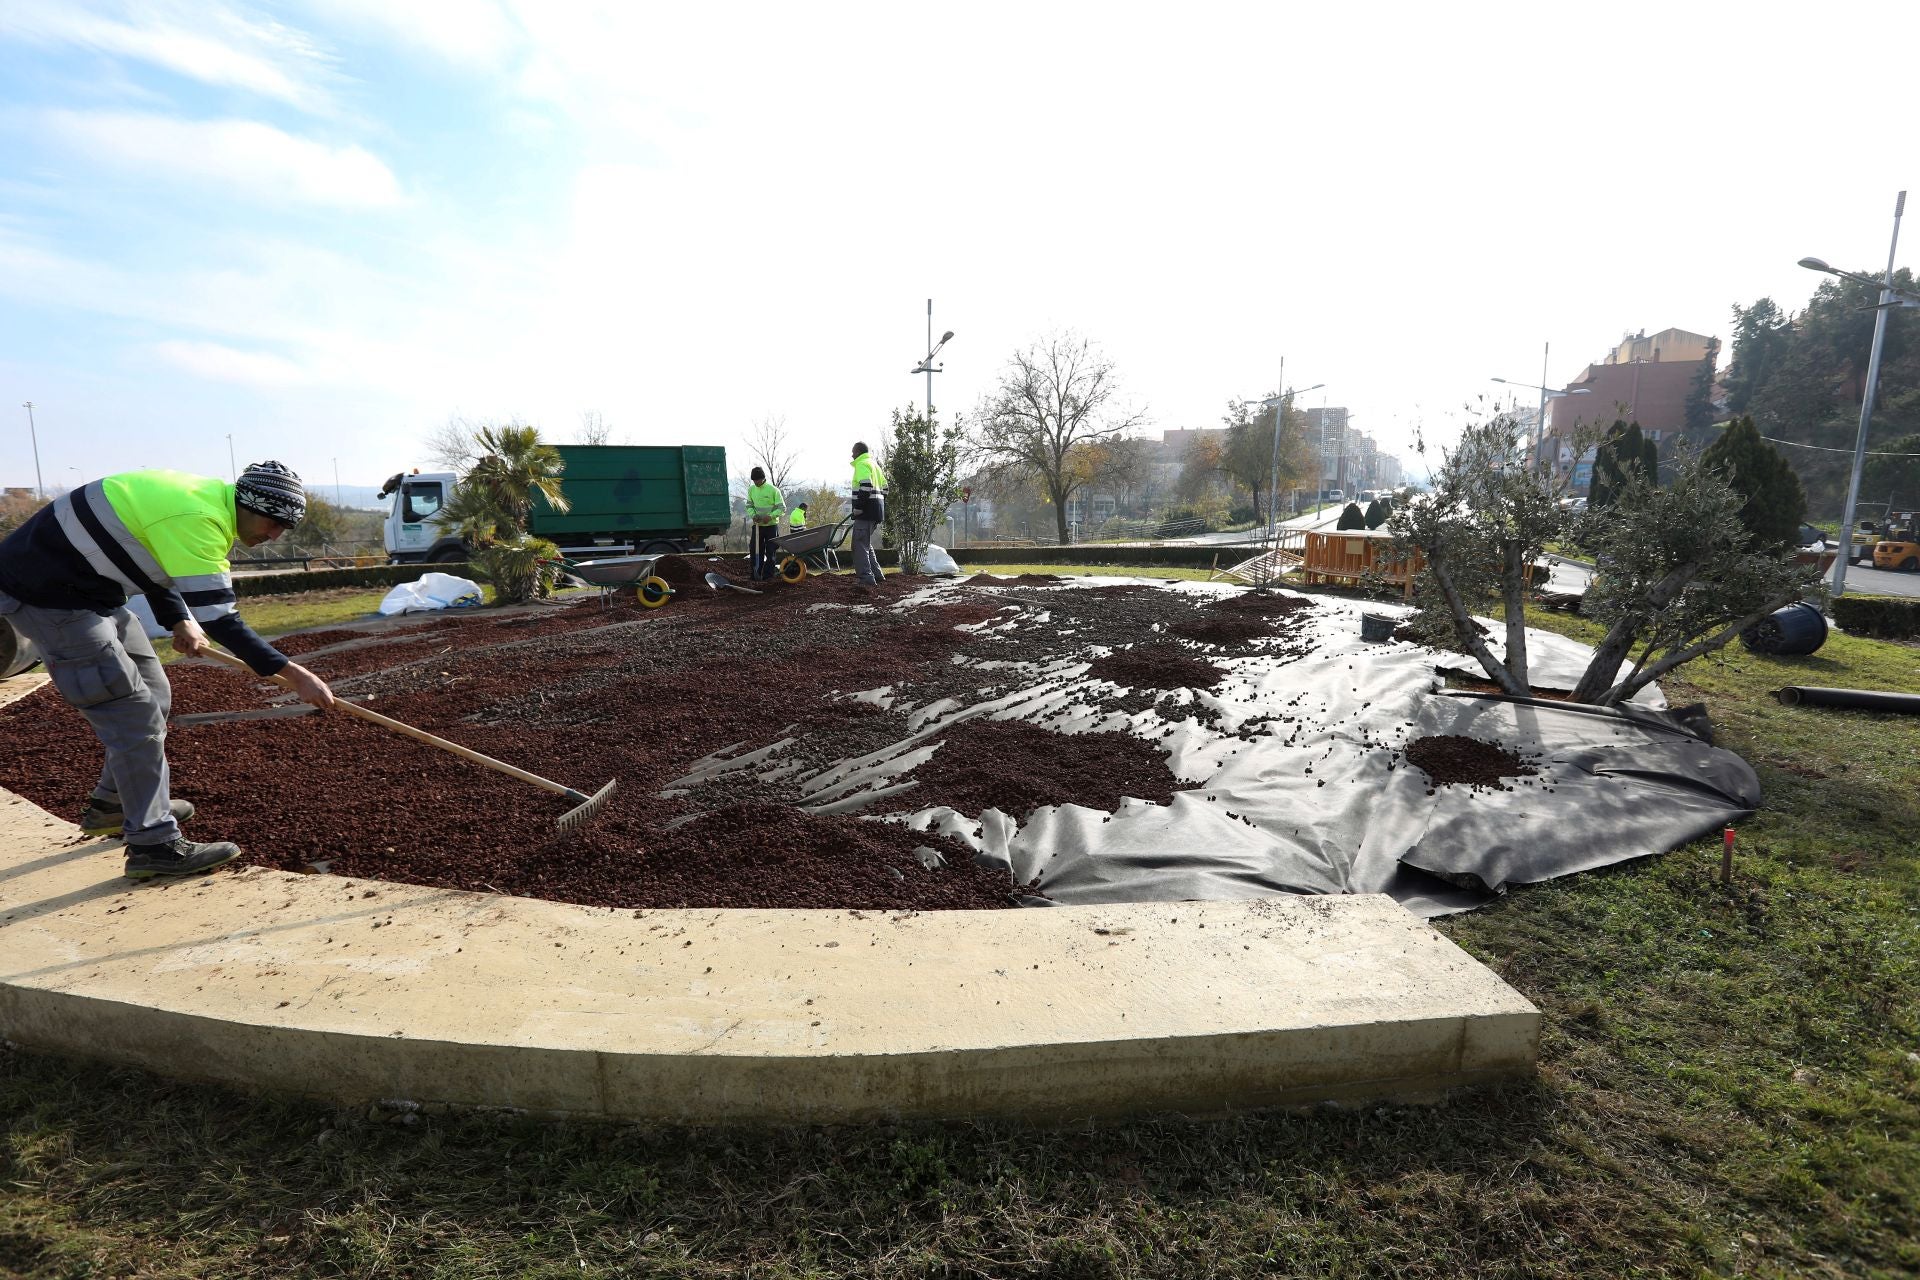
pixel 1355 554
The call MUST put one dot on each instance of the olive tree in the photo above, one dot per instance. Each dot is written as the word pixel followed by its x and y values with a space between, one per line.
pixel 1486 520
pixel 923 469
pixel 1677 576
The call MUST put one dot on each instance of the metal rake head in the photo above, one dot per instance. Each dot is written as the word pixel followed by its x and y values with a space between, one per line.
pixel 589 806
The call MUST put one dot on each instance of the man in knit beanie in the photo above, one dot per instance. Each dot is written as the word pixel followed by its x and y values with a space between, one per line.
pixel 64 580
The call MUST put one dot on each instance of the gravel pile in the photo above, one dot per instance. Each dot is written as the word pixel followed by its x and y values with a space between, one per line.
pixel 581 693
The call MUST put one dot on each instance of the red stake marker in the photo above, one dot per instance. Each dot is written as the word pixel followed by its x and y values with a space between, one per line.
pixel 1726 857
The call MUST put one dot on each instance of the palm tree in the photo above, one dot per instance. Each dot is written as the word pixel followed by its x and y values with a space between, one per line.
pixel 494 502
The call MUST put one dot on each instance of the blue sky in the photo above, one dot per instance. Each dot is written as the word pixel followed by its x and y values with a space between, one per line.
pixel 325 227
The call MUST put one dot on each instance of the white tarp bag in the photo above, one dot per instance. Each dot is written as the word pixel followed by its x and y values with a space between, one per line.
pixel 432 591
pixel 937 563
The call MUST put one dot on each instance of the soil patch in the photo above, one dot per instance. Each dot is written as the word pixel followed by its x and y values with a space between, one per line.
pixel 1221 632
pixel 1451 760
pixel 1162 666
pixel 1264 604
pixel 1017 767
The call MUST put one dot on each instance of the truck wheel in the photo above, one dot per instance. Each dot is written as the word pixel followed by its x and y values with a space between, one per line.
pixel 654 592
pixel 658 548
pixel 793 569
pixel 452 555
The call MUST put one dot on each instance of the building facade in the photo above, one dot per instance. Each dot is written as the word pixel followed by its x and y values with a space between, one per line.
pixel 1644 378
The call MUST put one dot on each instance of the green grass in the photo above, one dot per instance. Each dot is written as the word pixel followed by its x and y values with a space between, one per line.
pixel 1729 1085
pixel 277 615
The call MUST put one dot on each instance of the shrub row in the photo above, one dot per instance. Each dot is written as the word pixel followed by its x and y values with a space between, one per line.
pixel 1888 617
pixel 294 580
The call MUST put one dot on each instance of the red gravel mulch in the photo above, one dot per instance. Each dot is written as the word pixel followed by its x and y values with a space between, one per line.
pixel 581 693
pixel 1162 666
pixel 1450 760
pixel 1017 767
pixel 1223 633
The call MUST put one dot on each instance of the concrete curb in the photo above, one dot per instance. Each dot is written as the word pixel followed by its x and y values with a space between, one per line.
pixel 359 991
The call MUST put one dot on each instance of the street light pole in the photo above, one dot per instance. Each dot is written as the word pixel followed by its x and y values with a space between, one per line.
pixel 39 485
pixel 1273 477
pixel 1889 299
pixel 927 365
pixel 230 462
pixel 1540 421
pixel 1278 403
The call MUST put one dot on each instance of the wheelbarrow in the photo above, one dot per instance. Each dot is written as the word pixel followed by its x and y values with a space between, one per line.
pixel 612 574
pixel 796 553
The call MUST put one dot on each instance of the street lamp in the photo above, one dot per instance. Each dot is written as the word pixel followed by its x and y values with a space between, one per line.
pixel 1889 299
pixel 927 365
pixel 1279 406
pixel 1546 393
pixel 39 486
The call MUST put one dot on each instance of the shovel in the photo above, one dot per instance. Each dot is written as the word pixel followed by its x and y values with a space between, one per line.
pixel 719 580
pixel 585 805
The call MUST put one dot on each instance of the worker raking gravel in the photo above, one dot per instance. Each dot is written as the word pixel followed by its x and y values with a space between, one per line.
pixel 65 576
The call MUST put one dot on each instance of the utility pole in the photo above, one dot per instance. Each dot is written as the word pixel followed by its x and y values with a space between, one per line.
pixel 927 365
pixel 39 486
pixel 1273 475
pixel 230 462
pixel 336 483
pixel 1866 405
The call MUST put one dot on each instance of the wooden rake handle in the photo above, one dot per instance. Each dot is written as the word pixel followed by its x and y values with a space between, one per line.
pixel 419 735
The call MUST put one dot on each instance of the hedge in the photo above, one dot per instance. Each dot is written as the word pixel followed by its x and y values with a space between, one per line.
pixel 294 580
pixel 1888 617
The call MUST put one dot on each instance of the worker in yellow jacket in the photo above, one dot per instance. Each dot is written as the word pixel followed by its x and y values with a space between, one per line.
pixel 869 509
pixel 65 576
pixel 765 506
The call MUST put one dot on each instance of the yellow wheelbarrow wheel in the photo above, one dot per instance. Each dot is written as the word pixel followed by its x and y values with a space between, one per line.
pixel 655 592
pixel 793 569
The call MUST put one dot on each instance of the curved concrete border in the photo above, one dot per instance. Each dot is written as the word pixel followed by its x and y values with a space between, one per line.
pixel 358 990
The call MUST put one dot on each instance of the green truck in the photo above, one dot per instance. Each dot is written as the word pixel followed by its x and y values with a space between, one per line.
pixel 625 499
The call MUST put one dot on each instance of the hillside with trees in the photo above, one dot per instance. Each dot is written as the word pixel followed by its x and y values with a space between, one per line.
pixel 1800 378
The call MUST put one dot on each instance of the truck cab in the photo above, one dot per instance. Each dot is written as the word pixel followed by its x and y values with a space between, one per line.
pixel 413 529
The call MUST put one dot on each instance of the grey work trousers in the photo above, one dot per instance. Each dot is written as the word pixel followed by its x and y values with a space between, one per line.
pixel 106 669
pixel 866 565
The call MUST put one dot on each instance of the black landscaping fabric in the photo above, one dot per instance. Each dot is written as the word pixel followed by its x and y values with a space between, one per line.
pixel 922 745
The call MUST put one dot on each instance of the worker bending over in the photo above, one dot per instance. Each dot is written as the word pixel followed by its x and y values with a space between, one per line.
pixel 765 506
pixel 64 580
pixel 797 518
pixel 869 509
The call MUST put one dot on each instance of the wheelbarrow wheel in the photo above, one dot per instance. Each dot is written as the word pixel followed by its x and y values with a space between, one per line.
pixel 655 592
pixel 793 569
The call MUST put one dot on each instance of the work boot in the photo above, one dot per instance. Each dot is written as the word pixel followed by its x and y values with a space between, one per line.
pixel 107 818
pixel 177 857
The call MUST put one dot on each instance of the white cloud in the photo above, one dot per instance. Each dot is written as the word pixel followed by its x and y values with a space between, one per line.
pixel 466 33
pixel 244 155
pixel 209 43
pixel 222 363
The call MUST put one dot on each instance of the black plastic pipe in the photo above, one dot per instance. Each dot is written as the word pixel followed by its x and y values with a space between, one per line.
pixel 1862 699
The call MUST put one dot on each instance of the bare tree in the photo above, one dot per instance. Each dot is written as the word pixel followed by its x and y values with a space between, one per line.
pixel 594 429
pixel 1056 400
pixel 451 443
pixel 769 446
